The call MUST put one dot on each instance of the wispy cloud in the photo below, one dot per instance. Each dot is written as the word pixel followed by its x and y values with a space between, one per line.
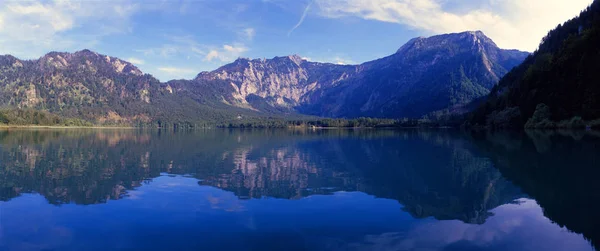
pixel 135 61
pixel 165 51
pixel 226 53
pixel 511 23
pixel 186 46
pixel 249 33
pixel 176 46
pixel 338 59
pixel 304 13
pixel 341 61
pixel 176 71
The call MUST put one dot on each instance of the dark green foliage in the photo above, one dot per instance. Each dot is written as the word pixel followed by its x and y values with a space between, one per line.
pixel 563 74
pixel 336 123
pixel 504 118
pixel 540 118
pixel 20 117
pixel 573 123
pixel 3 118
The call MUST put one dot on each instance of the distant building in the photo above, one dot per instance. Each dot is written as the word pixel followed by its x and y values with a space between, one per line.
pixel 239 116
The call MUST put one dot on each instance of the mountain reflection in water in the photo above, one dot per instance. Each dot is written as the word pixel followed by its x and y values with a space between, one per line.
pixel 453 180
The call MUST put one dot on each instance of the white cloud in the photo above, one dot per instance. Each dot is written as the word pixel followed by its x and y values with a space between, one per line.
pixel 342 61
pixel 212 55
pixel 175 72
pixel 135 61
pixel 235 49
pixel 226 53
pixel 519 24
pixel 31 28
pixel 187 47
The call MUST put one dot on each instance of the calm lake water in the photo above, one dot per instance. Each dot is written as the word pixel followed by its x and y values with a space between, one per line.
pixel 298 190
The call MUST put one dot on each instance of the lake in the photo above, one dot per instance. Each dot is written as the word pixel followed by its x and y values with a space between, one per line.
pixel 89 189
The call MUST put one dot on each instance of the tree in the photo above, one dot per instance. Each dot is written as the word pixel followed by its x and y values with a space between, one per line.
pixel 540 118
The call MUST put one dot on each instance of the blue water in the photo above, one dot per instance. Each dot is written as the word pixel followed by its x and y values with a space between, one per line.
pixel 296 190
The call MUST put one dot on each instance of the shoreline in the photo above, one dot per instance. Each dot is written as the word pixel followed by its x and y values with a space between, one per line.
pixel 63 127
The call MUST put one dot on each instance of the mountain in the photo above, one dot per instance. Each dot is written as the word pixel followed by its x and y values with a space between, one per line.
pixel 283 83
pixel 75 84
pixel 442 72
pixel 97 88
pixel 557 86
pixel 423 76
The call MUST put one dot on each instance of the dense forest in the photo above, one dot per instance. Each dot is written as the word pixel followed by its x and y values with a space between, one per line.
pixel 21 117
pixel 338 123
pixel 556 87
pixel 28 117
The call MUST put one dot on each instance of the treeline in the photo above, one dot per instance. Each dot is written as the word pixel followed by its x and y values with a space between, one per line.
pixel 24 117
pixel 542 119
pixel 337 123
pixel 21 117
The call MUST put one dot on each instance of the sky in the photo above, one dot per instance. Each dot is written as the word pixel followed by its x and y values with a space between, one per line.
pixel 177 39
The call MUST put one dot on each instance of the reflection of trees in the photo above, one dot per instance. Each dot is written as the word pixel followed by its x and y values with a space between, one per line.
pixel 431 174
pixel 81 169
pixel 559 169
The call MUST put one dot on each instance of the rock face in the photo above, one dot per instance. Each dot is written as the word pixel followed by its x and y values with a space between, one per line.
pixel 284 83
pixel 423 76
pixel 83 84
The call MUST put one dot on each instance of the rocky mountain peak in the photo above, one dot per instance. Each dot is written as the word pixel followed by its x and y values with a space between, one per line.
pixel 10 61
pixel 63 60
pixel 464 39
pixel 241 60
pixel 478 37
pixel 296 59
pixel 86 52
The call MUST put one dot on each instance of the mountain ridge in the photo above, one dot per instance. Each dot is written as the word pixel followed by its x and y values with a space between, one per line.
pixel 495 61
pixel 104 89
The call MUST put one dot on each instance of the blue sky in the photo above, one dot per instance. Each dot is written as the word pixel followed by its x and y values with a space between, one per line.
pixel 179 38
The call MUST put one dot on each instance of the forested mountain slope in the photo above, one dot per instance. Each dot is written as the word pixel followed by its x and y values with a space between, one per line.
pixel 561 79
